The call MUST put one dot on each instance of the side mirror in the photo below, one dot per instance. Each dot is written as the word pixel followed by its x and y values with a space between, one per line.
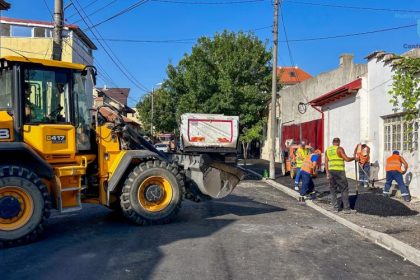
pixel 93 74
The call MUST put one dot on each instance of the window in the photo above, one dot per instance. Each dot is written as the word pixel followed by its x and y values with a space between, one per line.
pixel 82 113
pixel 21 31
pixel 40 32
pixel 292 74
pixel 4 29
pixel 46 96
pixel 5 89
pixel 400 134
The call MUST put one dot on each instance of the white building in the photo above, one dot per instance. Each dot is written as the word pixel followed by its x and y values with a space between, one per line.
pixel 308 125
pixel 361 112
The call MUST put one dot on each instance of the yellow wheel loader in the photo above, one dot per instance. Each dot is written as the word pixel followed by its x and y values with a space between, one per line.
pixel 56 154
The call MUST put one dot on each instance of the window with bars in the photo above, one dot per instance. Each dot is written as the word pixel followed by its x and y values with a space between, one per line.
pixel 400 134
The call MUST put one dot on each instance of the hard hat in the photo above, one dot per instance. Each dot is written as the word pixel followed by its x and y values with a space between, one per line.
pixel 395 152
pixel 303 143
pixel 318 151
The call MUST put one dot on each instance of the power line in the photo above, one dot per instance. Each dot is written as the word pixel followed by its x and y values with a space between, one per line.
pixel 108 78
pixel 119 65
pixel 48 7
pixel 183 41
pixel 300 91
pixel 98 10
pixel 351 34
pixel 190 40
pixel 85 7
pixel 122 12
pixel 101 68
pixel 207 3
pixel 351 7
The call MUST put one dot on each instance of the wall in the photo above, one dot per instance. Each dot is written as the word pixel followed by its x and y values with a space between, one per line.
pixel 379 83
pixel 42 48
pixel 342 120
pixel 313 88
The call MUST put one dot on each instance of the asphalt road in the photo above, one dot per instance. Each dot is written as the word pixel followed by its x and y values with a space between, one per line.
pixel 255 233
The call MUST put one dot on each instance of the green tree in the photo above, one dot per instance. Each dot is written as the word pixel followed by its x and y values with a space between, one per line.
pixel 229 74
pixel 405 90
pixel 163 114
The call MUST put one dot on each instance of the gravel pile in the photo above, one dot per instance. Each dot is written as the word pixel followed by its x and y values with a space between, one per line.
pixel 376 204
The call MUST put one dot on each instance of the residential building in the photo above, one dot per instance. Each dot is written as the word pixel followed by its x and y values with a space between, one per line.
pixel 118 98
pixel 361 112
pixel 289 76
pixel 34 38
pixel 298 120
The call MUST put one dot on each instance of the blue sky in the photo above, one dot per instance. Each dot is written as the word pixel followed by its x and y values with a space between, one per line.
pixel 157 20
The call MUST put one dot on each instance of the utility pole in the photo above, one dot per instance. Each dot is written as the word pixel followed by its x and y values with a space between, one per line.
pixel 274 91
pixel 58 28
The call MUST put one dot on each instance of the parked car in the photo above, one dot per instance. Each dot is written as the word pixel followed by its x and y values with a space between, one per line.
pixel 162 147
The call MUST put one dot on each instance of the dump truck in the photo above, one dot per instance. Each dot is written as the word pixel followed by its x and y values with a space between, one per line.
pixel 56 155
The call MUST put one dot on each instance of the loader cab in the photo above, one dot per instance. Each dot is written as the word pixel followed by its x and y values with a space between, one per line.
pixel 48 100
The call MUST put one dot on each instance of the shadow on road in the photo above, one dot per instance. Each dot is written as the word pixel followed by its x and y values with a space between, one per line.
pixel 98 242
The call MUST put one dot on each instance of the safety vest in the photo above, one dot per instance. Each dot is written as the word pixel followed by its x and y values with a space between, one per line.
pixel 300 156
pixel 362 154
pixel 307 164
pixel 335 162
pixel 393 163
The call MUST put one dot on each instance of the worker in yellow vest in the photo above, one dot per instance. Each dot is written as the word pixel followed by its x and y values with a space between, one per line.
pixel 395 172
pixel 301 154
pixel 335 156
pixel 309 169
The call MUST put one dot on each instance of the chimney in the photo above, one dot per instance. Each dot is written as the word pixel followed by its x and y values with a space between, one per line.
pixel 346 59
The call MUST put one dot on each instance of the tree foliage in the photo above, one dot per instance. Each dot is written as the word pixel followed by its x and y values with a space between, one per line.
pixel 405 90
pixel 228 74
pixel 163 114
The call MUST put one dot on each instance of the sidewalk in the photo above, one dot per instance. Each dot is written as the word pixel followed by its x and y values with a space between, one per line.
pixel 391 216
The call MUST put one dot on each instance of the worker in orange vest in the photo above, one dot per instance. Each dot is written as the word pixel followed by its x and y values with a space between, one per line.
pixel 309 169
pixel 362 157
pixel 395 172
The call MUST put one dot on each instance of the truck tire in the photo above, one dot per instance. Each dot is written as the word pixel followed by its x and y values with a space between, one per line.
pixel 152 193
pixel 25 205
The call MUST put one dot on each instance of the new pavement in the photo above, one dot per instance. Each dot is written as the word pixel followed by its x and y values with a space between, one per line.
pixel 255 233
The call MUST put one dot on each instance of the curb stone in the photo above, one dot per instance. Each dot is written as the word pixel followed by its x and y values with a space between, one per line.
pixel 382 239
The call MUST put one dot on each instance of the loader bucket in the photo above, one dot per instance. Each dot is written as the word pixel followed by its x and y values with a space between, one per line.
pixel 220 180
pixel 217 180
pixel 212 177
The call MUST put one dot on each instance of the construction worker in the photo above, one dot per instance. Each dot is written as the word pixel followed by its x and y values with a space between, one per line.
pixel 301 154
pixel 395 172
pixel 362 156
pixel 335 156
pixel 309 169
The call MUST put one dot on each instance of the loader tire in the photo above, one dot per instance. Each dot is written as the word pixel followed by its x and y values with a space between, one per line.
pixel 25 205
pixel 152 193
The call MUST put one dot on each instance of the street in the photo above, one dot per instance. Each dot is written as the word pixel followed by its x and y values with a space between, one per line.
pixel 255 233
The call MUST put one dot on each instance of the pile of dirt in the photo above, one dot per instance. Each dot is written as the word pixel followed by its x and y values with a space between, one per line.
pixel 378 205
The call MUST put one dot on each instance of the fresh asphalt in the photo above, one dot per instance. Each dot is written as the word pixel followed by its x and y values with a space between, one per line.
pixel 255 233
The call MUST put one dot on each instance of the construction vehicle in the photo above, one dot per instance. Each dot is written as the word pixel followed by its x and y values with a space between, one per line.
pixel 53 156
